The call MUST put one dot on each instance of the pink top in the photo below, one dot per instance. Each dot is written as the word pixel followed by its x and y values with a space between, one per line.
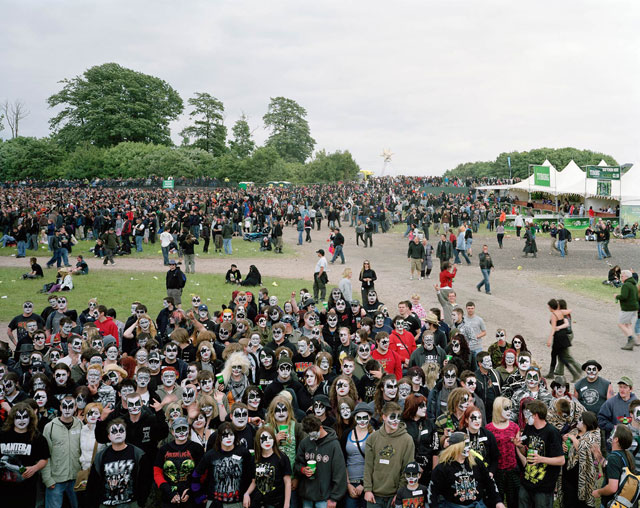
pixel 507 459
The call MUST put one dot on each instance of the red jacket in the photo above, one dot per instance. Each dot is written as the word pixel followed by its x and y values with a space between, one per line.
pixel 390 362
pixel 109 327
pixel 402 345
pixel 446 278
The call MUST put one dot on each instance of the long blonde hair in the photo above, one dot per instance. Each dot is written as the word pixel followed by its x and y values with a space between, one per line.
pixel 451 452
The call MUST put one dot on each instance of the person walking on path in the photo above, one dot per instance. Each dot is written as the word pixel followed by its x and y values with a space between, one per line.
pixel 278 236
pixel 628 299
pixel 530 246
pixel 562 239
pixel 415 255
pixel 338 242
pixel 461 247
pixel 486 264
pixel 227 235
pixel 320 277
pixel 110 242
pixel 444 250
pixel 367 278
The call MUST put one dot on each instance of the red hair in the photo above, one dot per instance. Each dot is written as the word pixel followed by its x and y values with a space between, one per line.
pixel 464 421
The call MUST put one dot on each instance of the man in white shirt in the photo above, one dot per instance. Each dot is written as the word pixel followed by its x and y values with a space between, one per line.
pixel 320 278
pixel 165 240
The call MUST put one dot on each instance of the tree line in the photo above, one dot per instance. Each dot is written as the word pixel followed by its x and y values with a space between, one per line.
pixel 113 122
pixel 520 161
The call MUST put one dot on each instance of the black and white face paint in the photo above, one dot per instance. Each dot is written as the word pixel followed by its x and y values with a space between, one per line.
pixel 141 357
pixel 362 419
pixel 168 378
pixel 280 413
pixel 21 420
pixel 93 416
pixel 134 306
pixel 345 411
pixel 126 390
pixel 592 372
pixel 449 378
pixel 27 307
pixel 254 340
pixel 284 371
pixel 188 395
pixel 393 420
pixel 471 384
pixel 112 353
pixel 228 439
pixel 205 354
pixel 517 344
pixel 171 352
pixel 332 321
pixel 524 362
pixel 404 390
pixel 428 341
pixel 54 356
pixel 277 334
pixel 318 409
pixel 487 363
pixel 236 371
pixel 68 407
pixel 93 377
pixel 60 376
pixel 364 351
pixel 240 417
pixel 181 434
pixel 154 362
pixel 421 412
pixel 528 416
pixel 383 345
pixel 273 301
pixel 241 327
pixel 344 337
pixel 467 448
pixel 67 328
pixel 266 441
pixel 324 365
pixel 39 341
pixel 342 388
pixel 134 406
pixel 310 379
pixel 76 345
pixel 347 368
pixel 224 334
pixel 97 344
pixel 266 360
pixel 142 340
pixel 81 401
pixel 341 305
pixel 532 380
pixel 145 324
pixel 117 433
pixel 62 304
pixel 113 377
pixel 196 301
pixel 379 320
pixel 506 413
pixel 25 358
pixel 372 297
pixel 41 397
pixel 175 413
pixel 464 402
pixel 32 326
pixel 253 400
pixel 207 385
pixel 204 315
pixel 390 388
pixel 475 421
pixel 455 346
pixel 200 421
pixel 143 379
pixel 509 359
pixel 192 373
pixel 38 384
pixel 302 347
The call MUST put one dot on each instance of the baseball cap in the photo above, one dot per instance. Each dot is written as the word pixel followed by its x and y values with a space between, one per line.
pixel 626 380
pixel 412 468
pixel 320 251
pixel 457 437
pixel 181 421
pixel 172 262
pixel 203 307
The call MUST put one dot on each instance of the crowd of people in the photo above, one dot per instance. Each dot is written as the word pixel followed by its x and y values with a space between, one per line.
pixel 308 402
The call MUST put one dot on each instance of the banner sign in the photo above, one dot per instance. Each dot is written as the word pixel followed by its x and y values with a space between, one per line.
pixel 542 176
pixel 604 172
pixel 167 184
pixel 630 214
pixel 604 188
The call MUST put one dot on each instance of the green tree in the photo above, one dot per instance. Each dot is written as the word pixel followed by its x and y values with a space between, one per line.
pixel 110 104
pixel 30 158
pixel 208 130
pixel 290 134
pixel 241 145
pixel 334 167
pixel 86 161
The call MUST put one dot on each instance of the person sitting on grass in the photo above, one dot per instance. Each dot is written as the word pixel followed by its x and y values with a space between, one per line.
pixel 613 279
pixel 265 244
pixel 81 268
pixel 36 270
pixel 64 282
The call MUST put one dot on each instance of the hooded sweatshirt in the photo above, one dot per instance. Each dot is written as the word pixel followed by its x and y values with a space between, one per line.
pixel 385 457
pixel 330 479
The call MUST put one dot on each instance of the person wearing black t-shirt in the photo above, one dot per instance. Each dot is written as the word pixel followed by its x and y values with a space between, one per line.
pixel 617 460
pixel 414 494
pixel 175 462
pixel 23 452
pixel 540 453
pixel 36 270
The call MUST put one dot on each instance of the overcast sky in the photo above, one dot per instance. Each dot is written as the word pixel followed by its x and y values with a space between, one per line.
pixel 438 82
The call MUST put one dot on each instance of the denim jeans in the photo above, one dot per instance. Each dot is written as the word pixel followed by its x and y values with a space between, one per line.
pixel 22 248
pixel 56 258
pixel 7 239
pixel 464 255
pixel 485 281
pixel 561 244
pixel 338 252
pixel 534 499
pixel 139 243
pixel 300 237
pixel 64 255
pixel 600 250
pixel 314 504
pixel 605 247
pixel 55 497
pixel 226 245
pixel 165 255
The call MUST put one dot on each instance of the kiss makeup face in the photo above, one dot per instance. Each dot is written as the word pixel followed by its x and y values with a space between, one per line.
pixel 280 413
pixel 392 421
pixel 240 417
pixel 390 388
pixel 266 441
pixel 117 433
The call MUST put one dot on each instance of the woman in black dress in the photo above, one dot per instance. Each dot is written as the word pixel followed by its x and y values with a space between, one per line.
pixel 367 278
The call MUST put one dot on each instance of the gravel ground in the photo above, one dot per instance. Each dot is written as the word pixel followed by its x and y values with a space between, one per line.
pixel 518 302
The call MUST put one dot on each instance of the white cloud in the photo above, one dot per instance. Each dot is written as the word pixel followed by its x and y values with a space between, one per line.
pixel 439 82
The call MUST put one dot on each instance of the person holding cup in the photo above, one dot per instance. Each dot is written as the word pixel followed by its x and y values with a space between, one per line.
pixel 320 460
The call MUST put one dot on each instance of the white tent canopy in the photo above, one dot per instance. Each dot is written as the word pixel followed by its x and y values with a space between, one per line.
pixel 571 179
pixel 631 185
pixel 592 187
pixel 530 186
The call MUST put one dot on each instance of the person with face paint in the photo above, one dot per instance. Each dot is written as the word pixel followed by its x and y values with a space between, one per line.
pixel 17 328
pixel 415 492
pixel 285 378
pixel 506 433
pixel 23 452
pixel 540 453
pixel 162 321
pixel 54 320
pixel 175 461
pixel 175 282
pixel 236 376
pixel 63 437
pixel 423 432
pixel 268 369
pixel 171 350
pixel 460 479
pixel 379 325
pixel 272 483
pixel 389 360
pixel 593 390
pixel 228 467
pixel 383 471
pixel 402 341
pixel 75 346
pixel 121 473
pixel 469 382
pixel 327 484
pixel 482 441
pixel 516 381
pixel 313 384
pixel 253 399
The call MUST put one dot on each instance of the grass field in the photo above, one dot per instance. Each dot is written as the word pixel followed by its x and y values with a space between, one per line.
pixel 118 289
pixel 587 286
pixel 241 250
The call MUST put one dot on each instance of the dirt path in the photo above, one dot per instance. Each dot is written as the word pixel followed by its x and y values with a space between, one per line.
pixel 518 302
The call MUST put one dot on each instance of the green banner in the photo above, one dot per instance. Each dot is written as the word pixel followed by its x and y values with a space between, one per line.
pixel 630 214
pixel 604 188
pixel 542 176
pixel 577 223
pixel 167 184
pixel 604 172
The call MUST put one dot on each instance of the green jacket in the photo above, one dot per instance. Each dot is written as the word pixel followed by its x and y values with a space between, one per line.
pixel 64 445
pixel 227 231
pixel 628 296
pixel 385 457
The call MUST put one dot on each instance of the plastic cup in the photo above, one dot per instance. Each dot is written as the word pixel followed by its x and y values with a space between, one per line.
pixel 311 464
pixel 220 378
pixel 284 428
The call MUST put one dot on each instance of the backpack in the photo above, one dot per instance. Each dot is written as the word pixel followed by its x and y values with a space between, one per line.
pixel 628 491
